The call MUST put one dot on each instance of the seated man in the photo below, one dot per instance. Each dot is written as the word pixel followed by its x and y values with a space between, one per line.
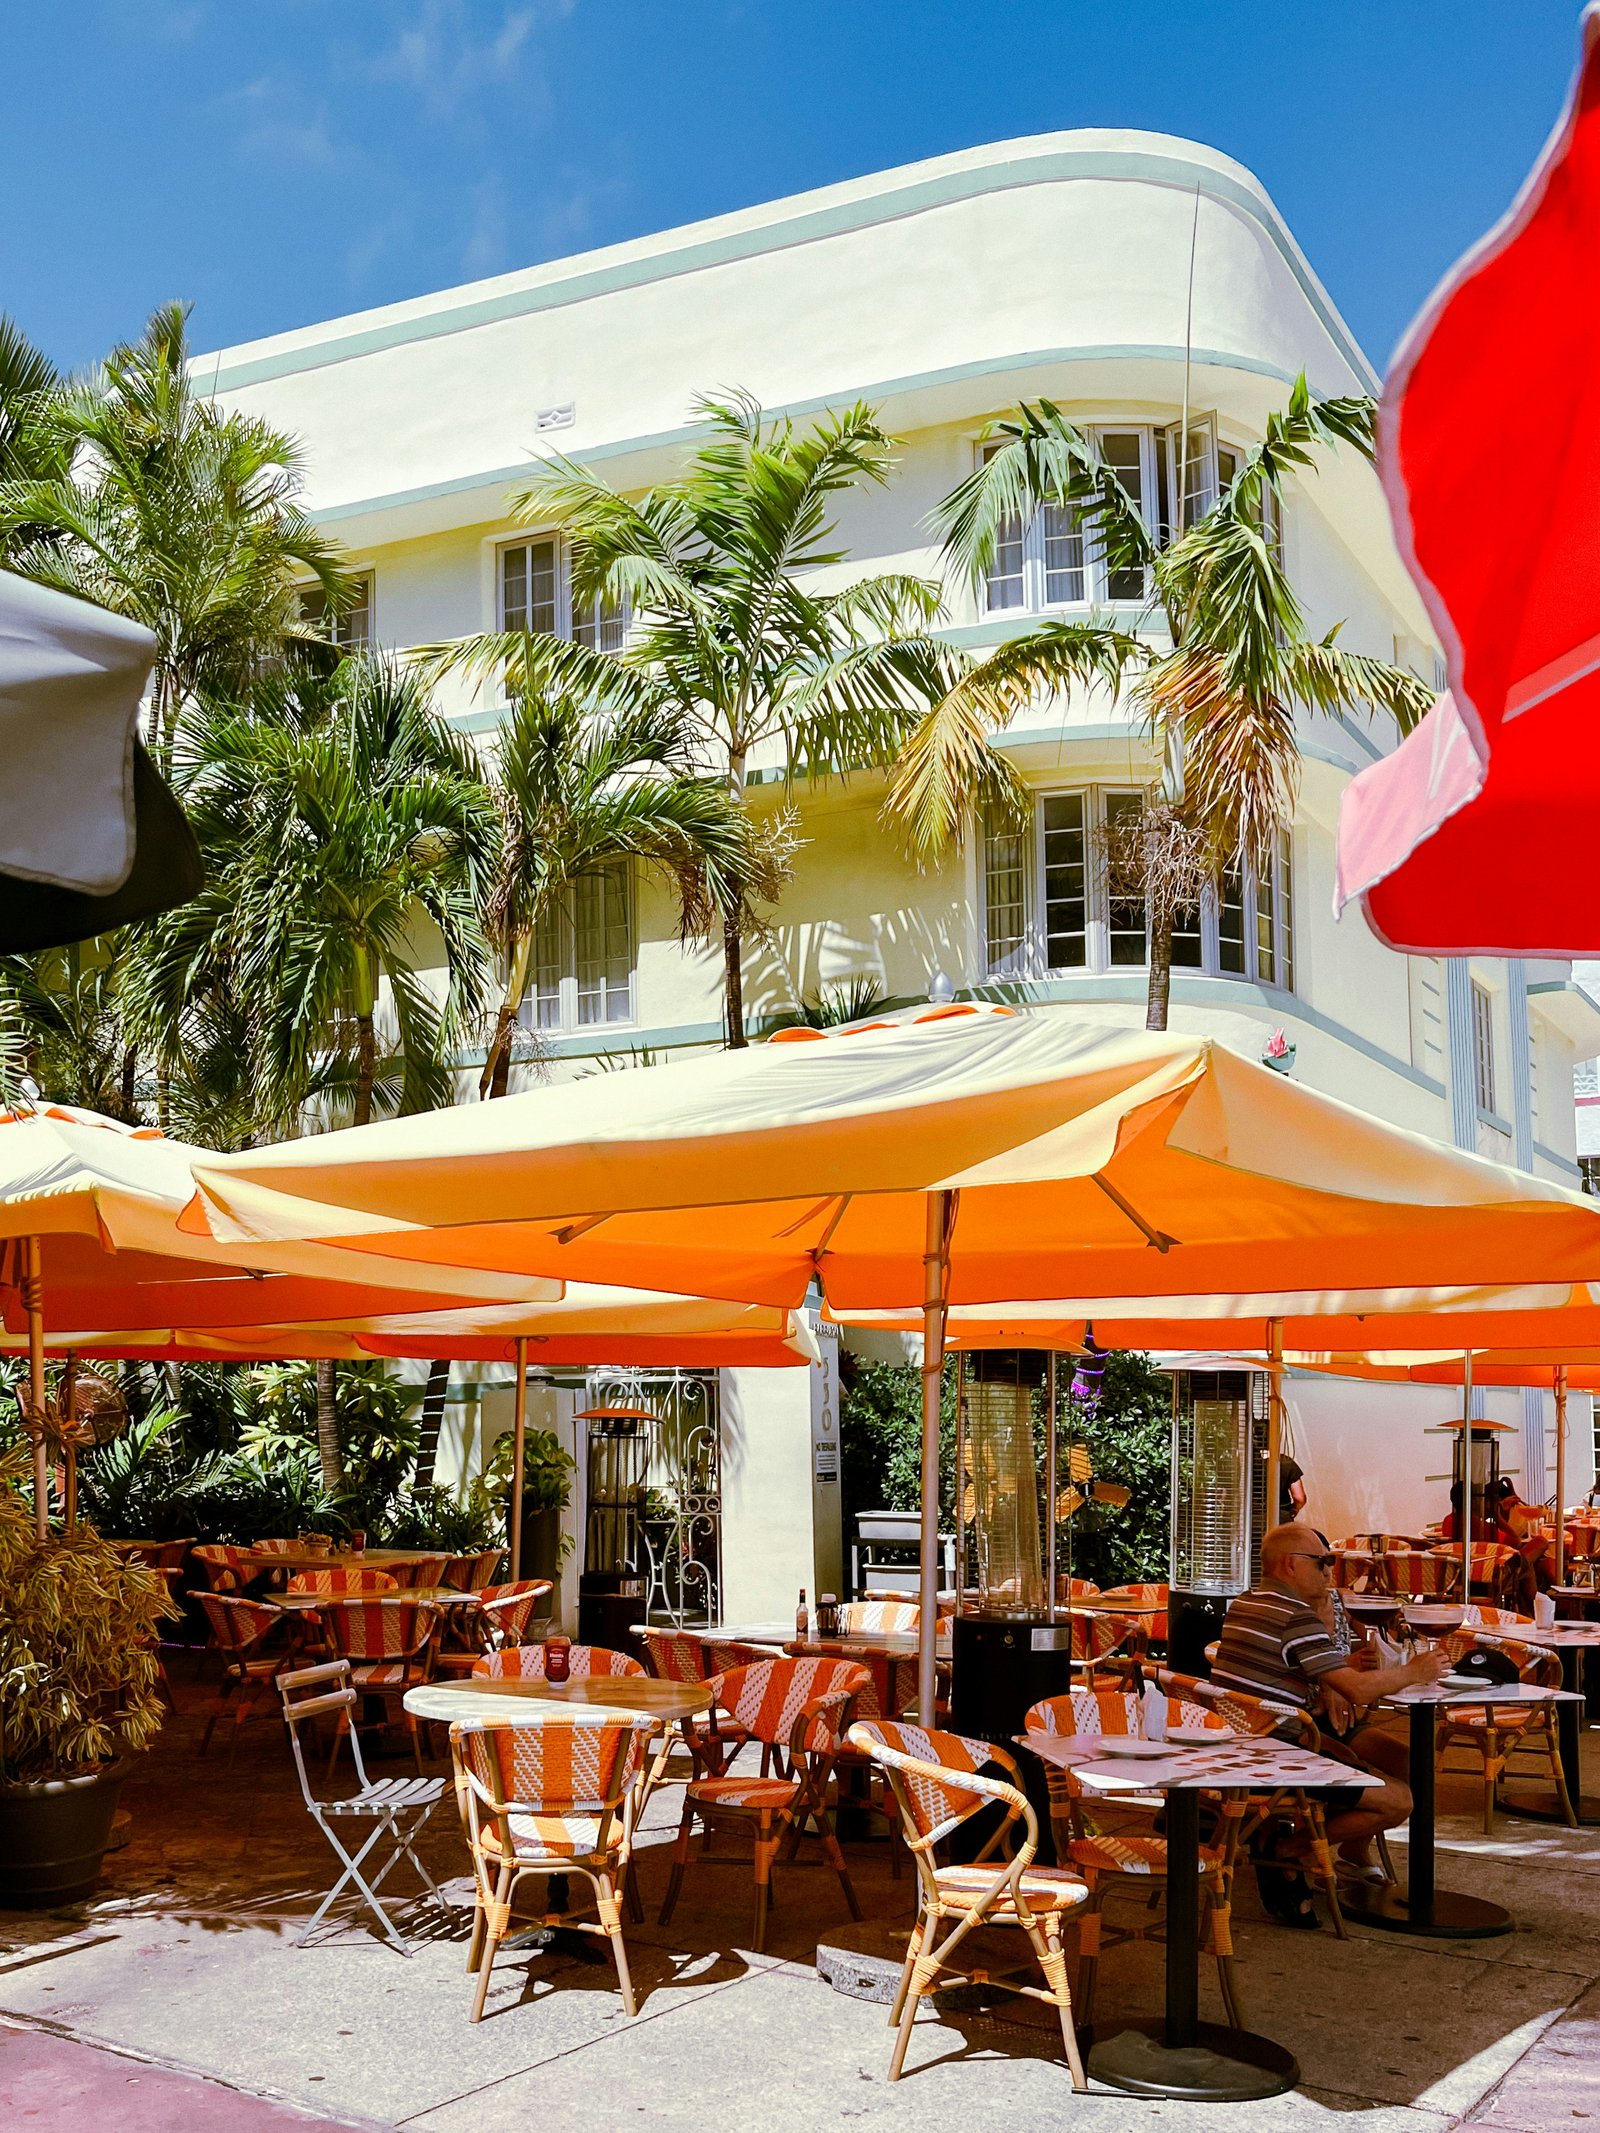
pixel 1275 1644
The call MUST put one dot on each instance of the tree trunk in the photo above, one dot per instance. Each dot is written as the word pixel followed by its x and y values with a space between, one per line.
pixel 366 1069
pixel 496 1074
pixel 433 1406
pixel 733 958
pixel 1160 989
pixel 130 1063
pixel 328 1430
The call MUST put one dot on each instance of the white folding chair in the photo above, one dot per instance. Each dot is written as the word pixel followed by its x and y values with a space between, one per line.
pixel 397 1807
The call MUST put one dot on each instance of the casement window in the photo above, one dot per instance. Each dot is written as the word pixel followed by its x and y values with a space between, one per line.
pixel 1049 560
pixel 1049 907
pixel 536 594
pixel 580 975
pixel 352 630
pixel 1483 1075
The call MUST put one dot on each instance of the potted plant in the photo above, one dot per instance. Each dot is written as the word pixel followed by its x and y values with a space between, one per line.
pixel 78 1690
pixel 547 1471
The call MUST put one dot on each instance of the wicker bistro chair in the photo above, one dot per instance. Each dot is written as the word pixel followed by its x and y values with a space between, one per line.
pixel 679 1655
pixel 421 1573
pixel 798 1708
pixel 1422 1574
pixel 226 1570
pixel 546 1800
pixel 1114 1855
pixel 498 1620
pixel 938 1784
pixel 1153 1597
pixel 879 1617
pixel 1493 1733
pixel 396 1807
pixel 241 1630
pixel 526 1663
pixel 1493 1570
pixel 341 1581
pixel 389 1643
pixel 472 1573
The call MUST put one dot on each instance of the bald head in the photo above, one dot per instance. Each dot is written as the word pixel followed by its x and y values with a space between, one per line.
pixel 1283 1543
pixel 1296 1557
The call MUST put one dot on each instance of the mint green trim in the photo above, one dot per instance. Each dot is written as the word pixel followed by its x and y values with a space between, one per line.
pixel 1560 1162
pixel 892 204
pixel 659 440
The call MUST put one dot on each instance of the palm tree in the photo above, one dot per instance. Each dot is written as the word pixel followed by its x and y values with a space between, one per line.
pixel 731 639
pixel 28 383
pixel 574 792
pixel 1220 705
pixel 131 490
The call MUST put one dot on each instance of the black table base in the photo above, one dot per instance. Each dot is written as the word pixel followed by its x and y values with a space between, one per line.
pixel 1220 2065
pixel 1419 1907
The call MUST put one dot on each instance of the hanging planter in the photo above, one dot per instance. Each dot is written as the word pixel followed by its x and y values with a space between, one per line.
pixel 1278 1053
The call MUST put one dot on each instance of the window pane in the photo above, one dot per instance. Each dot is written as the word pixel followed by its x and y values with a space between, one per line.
pixel 1188 951
pixel 604 947
pixel 1286 910
pixel 1005 861
pixel 1266 932
pixel 1063 554
pixel 1125 915
pixel 1003 587
pixel 1230 921
pixel 600 626
pixel 1483 1047
pixel 528 586
pixel 1123 452
pixel 547 964
pixel 1066 908
pixel 351 630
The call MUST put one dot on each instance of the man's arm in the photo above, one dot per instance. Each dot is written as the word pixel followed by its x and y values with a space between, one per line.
pixel 1362 1686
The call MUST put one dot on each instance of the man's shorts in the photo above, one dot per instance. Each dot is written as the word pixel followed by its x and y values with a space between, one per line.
pixel 1341 1799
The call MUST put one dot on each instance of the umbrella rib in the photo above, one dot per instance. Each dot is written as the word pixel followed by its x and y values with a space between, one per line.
pixel 1157 1237
pixel 571 1231
pixel 822 1243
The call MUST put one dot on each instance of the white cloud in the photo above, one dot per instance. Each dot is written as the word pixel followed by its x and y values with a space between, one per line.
pixel 450 50
pixel 277 125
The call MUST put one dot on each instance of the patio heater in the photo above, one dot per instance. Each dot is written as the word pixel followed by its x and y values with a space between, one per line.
pixel 1008 1648
pixel 1219 1427
pixel 611 1585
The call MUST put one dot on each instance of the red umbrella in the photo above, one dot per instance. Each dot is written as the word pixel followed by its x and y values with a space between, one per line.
pixel 1477 834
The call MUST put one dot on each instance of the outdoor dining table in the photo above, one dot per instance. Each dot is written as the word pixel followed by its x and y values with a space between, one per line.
pixel 1421 1907
pixel 509 1700
pixel 413 1595
pixel 346 1559
pixel 1175 2054
pixel 1571 1640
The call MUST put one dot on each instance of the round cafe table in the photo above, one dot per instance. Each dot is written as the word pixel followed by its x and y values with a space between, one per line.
pixel 504 1700
pixel 302 1603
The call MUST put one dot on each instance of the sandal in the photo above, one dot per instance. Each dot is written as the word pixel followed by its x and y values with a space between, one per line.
pixel 1284 1890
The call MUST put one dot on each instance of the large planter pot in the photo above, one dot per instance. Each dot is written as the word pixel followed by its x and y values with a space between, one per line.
pixel 53 1836
pixel 541 1543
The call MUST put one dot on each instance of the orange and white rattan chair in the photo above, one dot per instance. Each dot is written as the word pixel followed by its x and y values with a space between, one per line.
pixel 226 1570
pixel 396 1807
pixel 900 1618
pixel 1493 1733
pixel 939 1781
pixel 240 1630
pixel 525 1662
pixel 797 1709
pixel 498 1618
pixel 342 1581
pixel 551 1800
pixel 472 1573
pixel 389 1643
pixel 1117 1854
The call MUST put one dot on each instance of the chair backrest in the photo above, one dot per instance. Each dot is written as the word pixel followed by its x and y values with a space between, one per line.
pixel 1241 1712
pixel 307 1693
pixel 224 1569
pixel 573 1777
pixel 723 1654
pixel 674 1654
pixel 1434 1575
pixel 506 1610
pixel 793 1703
pixel 937 1781
pixel 342 1581
pixel 1092 1711
pixel 1532 1661
pixel 276 1547
pixel 471 1573
pixel 1481 1611
pixel 367 1629
pixel 237 1625
pixel 1151 1596
pixel 880 1617
pixel 1078 1588
pixel 525 1662
pixel 424 1571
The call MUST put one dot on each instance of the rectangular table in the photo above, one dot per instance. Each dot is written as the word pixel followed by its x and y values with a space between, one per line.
pixel 1176 2054
pixel 1421 1907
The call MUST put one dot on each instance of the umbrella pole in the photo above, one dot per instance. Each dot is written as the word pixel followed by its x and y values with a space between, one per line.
pixel 935 1268
pixel 1466 1477
pixel 1050 1456
pixel 33 1304
pixel 519 1445
pixel 1561 1473
pixel 1269 1509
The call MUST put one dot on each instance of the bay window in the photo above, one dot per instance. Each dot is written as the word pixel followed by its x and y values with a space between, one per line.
pixel 580 974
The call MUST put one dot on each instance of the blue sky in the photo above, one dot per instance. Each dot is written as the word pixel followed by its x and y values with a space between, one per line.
pixel 282 161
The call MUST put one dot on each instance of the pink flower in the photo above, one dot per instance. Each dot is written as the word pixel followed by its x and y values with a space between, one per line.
pixel 1277 1046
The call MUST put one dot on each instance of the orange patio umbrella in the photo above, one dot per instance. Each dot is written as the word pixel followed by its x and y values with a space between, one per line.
pixel 953 1156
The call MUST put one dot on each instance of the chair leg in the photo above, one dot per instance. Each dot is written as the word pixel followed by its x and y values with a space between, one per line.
pixel 680 1859
pixel 1563 1797
pixel 923 1972
pixel 766 1846
pixel 611 1919
pixel 475 1945
pixel 913 1950
pixel 496 1919
pixel 630 1889
pixel 830 1845
pixel 1053 1962
pixel 1089 1951
pixel 211 1723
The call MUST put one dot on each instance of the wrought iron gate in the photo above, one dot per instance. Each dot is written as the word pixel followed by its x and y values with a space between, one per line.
pixel 682 1526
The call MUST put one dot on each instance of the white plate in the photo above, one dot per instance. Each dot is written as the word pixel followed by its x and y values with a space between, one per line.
pixel 1126 1744
pixel 1198 1736
pixel 1467 1681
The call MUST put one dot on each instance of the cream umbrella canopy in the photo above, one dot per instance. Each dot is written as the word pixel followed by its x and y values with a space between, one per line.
pixel 955 1157
pixel 89 1238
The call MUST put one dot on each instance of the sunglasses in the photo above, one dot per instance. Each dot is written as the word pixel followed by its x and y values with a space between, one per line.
pixel 1323 1562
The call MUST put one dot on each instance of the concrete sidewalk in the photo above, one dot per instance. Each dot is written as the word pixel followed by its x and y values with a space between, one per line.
pixel 187 1961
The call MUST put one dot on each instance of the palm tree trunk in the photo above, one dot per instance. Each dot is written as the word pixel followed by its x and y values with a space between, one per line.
pixel 328 1430
pixel 433 1406
pixel 366 1069
pixel 496 1074
pixel 733 960
pixel 1160 988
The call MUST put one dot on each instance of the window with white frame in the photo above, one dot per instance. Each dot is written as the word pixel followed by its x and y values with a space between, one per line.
pixel 580 973
pixel 1049 906
pixel 1483 1077
pixel 536 594
pixel 350 630
pixel 1049 561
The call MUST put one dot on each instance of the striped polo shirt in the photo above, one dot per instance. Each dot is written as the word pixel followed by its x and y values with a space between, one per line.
pixel 1273 1645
